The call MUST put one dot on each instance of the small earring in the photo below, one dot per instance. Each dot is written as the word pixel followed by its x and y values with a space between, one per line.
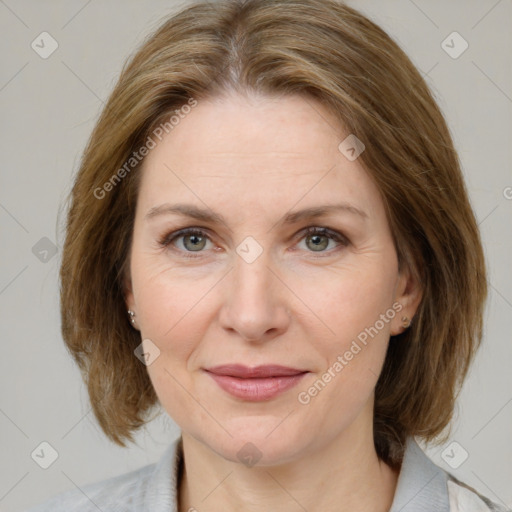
pixel 406 323
pixel 132 316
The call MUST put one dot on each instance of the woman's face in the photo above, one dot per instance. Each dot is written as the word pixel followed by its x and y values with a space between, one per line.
pixel 255 288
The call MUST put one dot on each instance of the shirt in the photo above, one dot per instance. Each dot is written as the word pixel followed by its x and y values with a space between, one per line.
pixel 422 486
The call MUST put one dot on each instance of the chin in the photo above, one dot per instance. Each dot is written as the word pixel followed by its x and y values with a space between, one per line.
pixel 257 441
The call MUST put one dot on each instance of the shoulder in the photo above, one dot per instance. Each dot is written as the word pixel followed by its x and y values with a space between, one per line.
pixel 464 498
pixel 118 494
pixel 423 485
pixel 152 487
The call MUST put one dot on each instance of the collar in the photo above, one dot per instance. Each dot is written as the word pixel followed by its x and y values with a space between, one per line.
pixel 421 486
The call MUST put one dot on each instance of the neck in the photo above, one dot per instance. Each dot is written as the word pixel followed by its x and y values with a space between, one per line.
pixel 345 474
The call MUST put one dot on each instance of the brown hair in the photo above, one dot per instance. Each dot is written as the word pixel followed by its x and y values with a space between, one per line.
pixel 323 50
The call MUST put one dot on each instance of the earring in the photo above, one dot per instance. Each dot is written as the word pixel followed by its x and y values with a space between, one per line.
pixel 132 316
pixel 406 323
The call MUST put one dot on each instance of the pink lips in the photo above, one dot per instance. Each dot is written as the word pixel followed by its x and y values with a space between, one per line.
pixel 255 384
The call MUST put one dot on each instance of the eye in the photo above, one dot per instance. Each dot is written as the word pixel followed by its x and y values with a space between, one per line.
pixel 318 238
pixel 194 240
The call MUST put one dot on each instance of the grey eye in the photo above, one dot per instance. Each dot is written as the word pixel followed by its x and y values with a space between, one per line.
pixel 318 242
pixel 193 242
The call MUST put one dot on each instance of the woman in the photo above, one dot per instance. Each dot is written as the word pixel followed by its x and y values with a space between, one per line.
pixel 269 235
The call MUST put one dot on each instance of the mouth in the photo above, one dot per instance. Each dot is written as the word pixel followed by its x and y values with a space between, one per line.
pixel 255 384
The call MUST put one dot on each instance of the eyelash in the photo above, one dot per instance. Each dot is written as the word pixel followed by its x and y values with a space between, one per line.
pixel 168 239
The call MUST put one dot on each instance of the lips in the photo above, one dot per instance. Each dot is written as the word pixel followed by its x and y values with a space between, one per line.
pixel 244 372
pixel 255 384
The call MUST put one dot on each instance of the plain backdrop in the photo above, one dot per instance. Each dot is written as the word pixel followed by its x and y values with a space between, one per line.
pixel 48 109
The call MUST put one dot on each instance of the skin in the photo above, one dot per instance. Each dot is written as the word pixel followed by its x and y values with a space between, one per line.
pixel 254 159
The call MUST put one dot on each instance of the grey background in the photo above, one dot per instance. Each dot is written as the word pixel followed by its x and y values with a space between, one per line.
pixel 49 107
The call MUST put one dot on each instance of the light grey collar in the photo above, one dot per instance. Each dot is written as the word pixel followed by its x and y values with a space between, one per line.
pixel 421 487
pixel 162 493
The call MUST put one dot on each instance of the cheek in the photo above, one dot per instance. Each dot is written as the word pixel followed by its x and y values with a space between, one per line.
pixel 350 299
pixel 356 306
pixel 353 356
pixel 173 315
pixel 166 297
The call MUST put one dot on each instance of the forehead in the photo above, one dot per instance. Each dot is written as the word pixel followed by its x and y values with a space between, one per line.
pixel 255 126
pixel 240 152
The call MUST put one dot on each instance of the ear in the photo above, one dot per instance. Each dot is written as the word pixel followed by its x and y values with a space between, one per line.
pixel 129 298
pixel 128 293
pixel 408 293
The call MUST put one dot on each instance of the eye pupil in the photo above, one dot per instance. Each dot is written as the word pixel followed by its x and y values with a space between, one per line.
pixel 195 244
pixel 317 243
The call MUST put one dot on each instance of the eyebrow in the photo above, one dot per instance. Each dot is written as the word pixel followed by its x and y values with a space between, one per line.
pixel 205 215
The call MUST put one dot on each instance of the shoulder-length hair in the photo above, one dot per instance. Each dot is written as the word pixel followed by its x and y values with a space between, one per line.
pixel 320 49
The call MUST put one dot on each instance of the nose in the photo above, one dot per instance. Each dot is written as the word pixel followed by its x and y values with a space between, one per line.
pixel 255 307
